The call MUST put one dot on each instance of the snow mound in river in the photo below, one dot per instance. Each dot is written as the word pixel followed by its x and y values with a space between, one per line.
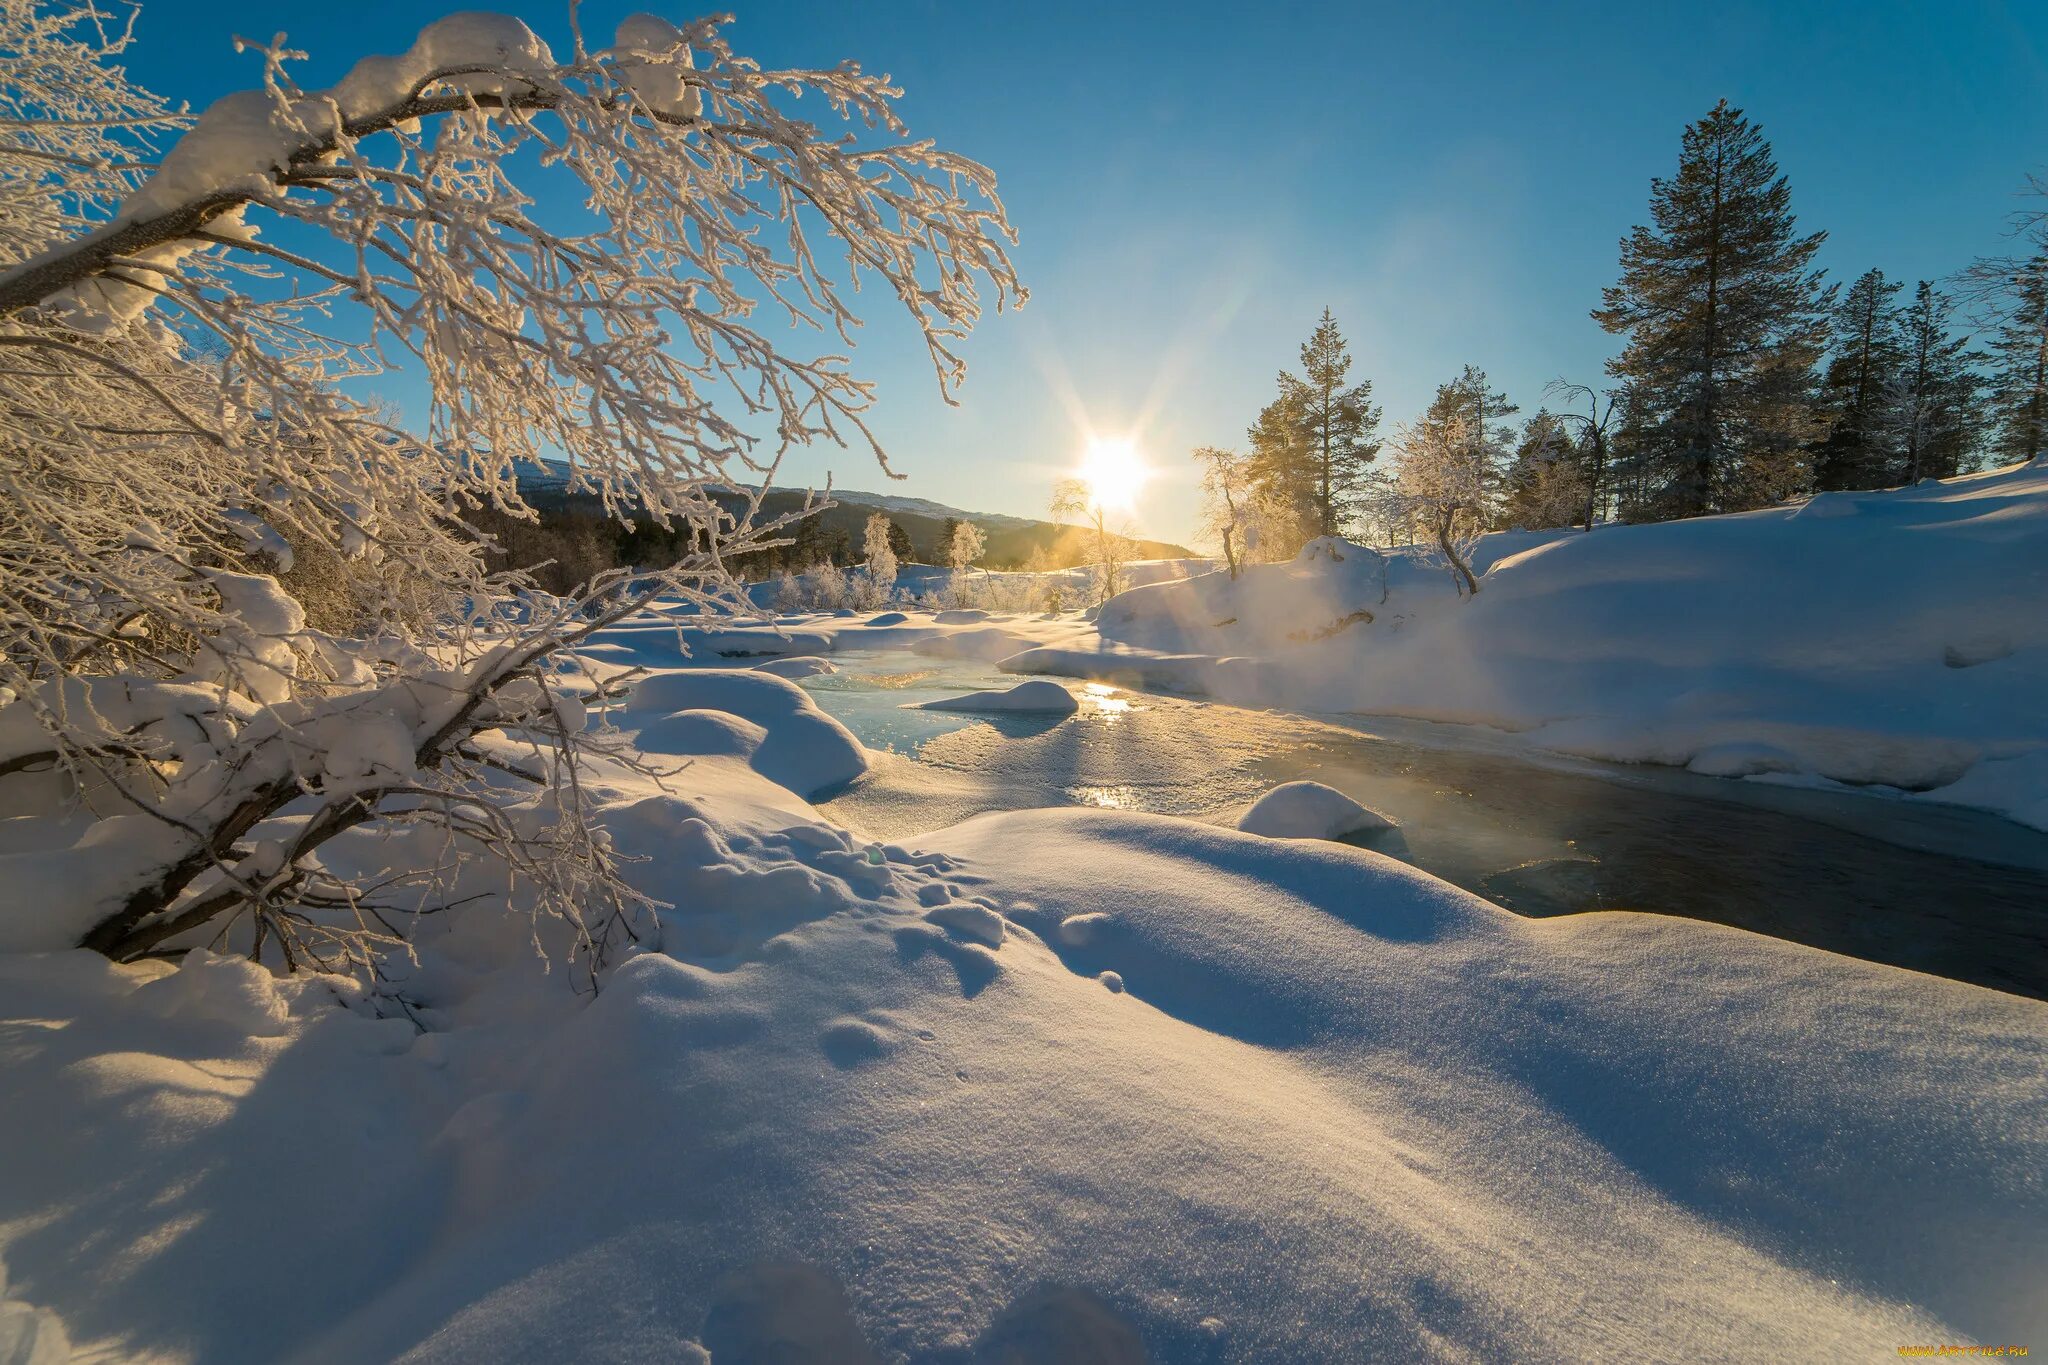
pixel 1309 810
pixel 1038 695
pixel 770 722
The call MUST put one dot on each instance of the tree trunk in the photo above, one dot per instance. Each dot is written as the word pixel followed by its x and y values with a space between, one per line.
pixel 1458 565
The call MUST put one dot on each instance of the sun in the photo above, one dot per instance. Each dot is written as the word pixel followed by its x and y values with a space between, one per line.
pixel 1114 472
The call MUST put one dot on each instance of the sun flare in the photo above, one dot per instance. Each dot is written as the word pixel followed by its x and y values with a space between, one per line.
pixel 1114 472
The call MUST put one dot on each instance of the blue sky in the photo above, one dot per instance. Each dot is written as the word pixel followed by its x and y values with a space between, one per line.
pixel 1194 182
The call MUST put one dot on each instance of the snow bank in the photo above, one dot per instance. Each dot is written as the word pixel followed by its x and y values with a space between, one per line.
pixel 1309 810
pixel 1068 1078
pixel 1894 638
pixel 1037 695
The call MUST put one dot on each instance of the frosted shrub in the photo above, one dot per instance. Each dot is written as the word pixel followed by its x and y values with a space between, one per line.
pixel 178 326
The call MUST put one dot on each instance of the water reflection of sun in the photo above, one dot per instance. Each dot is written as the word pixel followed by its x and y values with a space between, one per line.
pixel 1103 699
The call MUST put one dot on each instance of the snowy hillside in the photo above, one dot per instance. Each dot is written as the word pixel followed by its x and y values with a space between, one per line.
pixel 1896 638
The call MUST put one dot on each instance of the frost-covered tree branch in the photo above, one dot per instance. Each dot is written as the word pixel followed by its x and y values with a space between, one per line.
pixel 595 259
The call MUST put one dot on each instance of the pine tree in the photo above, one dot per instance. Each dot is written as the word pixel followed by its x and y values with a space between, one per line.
pixel 1283 471
pixel 1725 321
pixel 1492 439
pixel 1932 414
pixel 1867 352
pixel 1545 484
pixel 2019 358
pixel 1319 438
pixel 809 545
pixel 899 543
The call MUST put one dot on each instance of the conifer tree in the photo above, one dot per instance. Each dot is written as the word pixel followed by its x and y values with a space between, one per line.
pixel 1725 319
pixel 1545 484
pixel 1318 439
pixel 2019 361
pixel 1867 350
pixel 1283 471
pixel 1491 438
pixel 1932 415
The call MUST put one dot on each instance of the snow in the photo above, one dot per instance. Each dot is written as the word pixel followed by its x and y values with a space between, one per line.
pixel 1309 810
pixel 255 653
pixel 1037 695
pixel 30 1335
pixel 651 58
pixel 240 143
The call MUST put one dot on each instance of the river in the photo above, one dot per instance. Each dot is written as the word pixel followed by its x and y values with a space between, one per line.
pixel 1933 888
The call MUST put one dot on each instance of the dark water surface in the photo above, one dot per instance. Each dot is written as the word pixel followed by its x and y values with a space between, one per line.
pixel 1933 888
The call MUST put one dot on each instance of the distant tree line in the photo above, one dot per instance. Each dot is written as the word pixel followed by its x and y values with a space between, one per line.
pixel 1744 378
pixel 573 538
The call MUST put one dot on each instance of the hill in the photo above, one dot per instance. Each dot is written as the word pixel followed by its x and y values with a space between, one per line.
pixel 1012 541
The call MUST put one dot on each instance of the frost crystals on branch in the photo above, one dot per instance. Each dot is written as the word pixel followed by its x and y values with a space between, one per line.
pixel 243 610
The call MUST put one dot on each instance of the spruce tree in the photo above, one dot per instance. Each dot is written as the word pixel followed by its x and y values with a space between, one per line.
pixel 1866 352
pixel 1283 472
pixel 1725 320
pixel 1492 439
pixel 1329 455
pixel 2019 361
pixel 1932 412
pixel 1450 430
pixel 1545 483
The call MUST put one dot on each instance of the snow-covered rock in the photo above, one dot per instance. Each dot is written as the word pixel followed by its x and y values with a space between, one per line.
pixel 1039 695
pixel 1309 810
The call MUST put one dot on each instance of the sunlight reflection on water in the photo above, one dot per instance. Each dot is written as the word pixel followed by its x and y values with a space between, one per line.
pixel 1104 699
pixel 1111 798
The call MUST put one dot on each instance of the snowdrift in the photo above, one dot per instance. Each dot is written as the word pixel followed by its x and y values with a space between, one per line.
pixel 1897 638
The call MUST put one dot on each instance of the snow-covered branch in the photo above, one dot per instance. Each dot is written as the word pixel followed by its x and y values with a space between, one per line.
pixel 222 573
